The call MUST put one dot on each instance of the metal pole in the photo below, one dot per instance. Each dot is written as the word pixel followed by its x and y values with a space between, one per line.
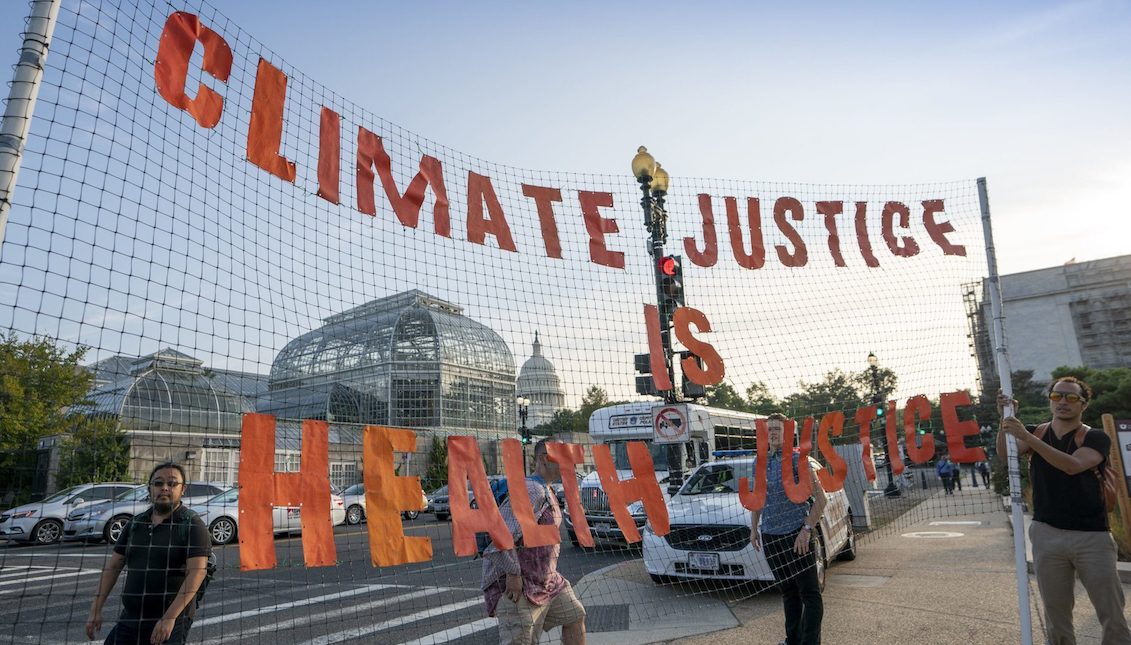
pixel 1004 371
pixel 21 99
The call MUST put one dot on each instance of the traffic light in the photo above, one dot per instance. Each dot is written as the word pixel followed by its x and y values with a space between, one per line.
pixel 671 283
pixel 644 384
pixel 691 389
pixel 880 407
pixel 525 436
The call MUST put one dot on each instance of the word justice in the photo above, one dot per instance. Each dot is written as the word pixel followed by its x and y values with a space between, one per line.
pixel 388 494
pixel 485 215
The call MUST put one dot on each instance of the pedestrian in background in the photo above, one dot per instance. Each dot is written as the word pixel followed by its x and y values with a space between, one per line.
pixel 1070 534
pixel 785 530
pixel 164 550
pixel 984 470
pixel 522 586
pixel 946 471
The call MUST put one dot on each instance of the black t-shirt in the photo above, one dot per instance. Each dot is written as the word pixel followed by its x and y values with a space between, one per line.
pixel 156 560
pixel 1069 502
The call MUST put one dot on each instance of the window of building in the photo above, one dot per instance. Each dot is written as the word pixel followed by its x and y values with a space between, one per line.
pixel 220 465
pixel 343 474
pixel 287 461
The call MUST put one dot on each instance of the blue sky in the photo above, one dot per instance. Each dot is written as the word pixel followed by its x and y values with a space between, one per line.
pixel 1032 96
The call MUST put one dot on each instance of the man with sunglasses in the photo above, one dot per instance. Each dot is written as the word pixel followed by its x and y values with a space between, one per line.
pixel 1069 532
pixel 165 549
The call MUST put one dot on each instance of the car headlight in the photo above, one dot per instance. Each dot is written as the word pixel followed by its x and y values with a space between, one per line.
pixel 22 514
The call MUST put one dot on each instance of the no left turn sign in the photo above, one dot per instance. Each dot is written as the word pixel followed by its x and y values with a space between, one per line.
pixel 669 424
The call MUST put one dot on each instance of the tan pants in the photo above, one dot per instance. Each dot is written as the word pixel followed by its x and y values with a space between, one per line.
pixel 1059 557
pixel 522 623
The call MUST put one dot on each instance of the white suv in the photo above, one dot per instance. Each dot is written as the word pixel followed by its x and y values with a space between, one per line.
pixel 710 530
pixel 42 522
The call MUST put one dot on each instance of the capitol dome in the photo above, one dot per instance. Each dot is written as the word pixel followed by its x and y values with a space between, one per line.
pixel 538 382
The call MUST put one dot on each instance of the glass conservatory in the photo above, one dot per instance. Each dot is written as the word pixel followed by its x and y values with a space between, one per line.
pixel 408 360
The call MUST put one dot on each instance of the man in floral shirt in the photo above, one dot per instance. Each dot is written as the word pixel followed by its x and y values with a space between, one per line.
pixel 522 586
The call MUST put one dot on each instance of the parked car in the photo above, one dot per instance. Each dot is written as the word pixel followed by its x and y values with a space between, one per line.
pixel 710 530
pixel 221 516
pixel 95 521
pixel 42 522
pixel 354 499
pixel 439 505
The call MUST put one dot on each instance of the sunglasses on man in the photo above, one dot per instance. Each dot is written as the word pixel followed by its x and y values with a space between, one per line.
pixel 1071 397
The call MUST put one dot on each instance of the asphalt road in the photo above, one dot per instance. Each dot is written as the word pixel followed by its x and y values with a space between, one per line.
pixel 45 594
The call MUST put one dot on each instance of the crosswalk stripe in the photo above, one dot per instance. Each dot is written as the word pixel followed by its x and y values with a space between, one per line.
pixel 338 614
pixel 337 595
pixel 455 632
pixel 80 572
pixel 348 634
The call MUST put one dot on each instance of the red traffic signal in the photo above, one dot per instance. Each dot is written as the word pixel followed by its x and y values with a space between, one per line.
pixel 669 265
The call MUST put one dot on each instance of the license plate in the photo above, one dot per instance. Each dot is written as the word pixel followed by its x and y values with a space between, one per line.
pixel 703 561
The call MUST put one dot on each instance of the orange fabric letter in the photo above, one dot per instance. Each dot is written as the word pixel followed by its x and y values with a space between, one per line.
pixel 800 490
pixel 957 431
pixel 710 254
pixel 387 494
pixel 830 210
pixel 465 463
pixel 261 488
pixel 714 369
pixel 265 132
pixel 862 235
pixel 568 456
pixel 371 154
pixel 893 440
pixel 330 156
pixel 938 231
pixel 642 487
pixel 905 246
pixel 480 188
pixel 543 201
pixel 656 349
pixel 170 70
pixel 797 213
pixel 755 500
pixel 533 534
pixel 864 417
pixel 919 450
pixel 757 256
pixel 598 226
pixel 831 482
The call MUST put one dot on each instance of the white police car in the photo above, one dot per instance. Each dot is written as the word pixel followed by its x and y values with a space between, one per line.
pixel 710 530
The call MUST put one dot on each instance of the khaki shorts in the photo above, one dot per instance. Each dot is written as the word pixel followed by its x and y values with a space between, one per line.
pixel 523 622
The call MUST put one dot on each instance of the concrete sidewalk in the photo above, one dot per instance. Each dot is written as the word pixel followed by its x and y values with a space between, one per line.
pixel 959 589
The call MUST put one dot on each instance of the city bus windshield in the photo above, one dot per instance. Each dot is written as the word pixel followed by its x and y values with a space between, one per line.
pixel 659 455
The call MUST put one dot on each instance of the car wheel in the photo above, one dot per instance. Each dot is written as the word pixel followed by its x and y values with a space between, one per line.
pixel 223 531
pixel 848 553
pixel 442 517
pixel 411 515
pixel 354 515
pixel 115 527
pixel 818 548
pixel 47 532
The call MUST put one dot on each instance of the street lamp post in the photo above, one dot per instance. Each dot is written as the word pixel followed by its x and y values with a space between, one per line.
pixel 523 404
pixel 654 186
pixel 892 489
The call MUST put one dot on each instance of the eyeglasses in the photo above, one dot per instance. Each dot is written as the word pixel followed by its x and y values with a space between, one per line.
pixel 1071 397
pixel 161 483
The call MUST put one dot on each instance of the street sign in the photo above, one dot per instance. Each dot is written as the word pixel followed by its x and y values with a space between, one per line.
pixel 669 424
pixel 1123 433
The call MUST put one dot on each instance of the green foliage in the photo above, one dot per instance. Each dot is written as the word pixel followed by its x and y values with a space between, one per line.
pixel 40 383
pixel 1111 392
pixel 759 400
pixel 726 397
pixel 437 474
pixel 563 421
pixel 839 391
pixel 96 451
pixel 594 399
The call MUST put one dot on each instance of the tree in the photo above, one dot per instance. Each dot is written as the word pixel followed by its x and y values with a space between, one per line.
pixel 594 399
pixel 726 397
pixel 96 451
pixel 563 421
pixel 759 400
pixel 839 391
pixel 437 474
pixel 40 385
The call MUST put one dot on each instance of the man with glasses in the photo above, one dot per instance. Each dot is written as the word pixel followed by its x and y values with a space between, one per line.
pixel 1070 533
pixel 165 549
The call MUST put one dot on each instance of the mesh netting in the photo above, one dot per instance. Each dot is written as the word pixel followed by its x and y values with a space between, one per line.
pixel 197 287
